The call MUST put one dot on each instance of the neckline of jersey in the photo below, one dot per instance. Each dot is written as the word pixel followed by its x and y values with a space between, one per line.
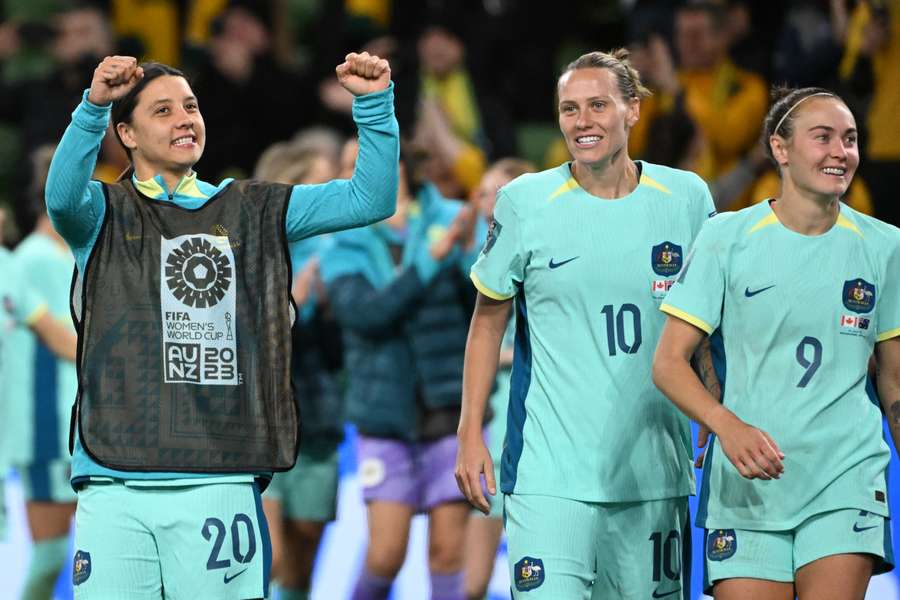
pixel 642 171
pixel 820 236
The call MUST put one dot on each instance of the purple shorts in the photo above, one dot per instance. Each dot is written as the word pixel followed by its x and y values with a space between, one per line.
pixel 416 474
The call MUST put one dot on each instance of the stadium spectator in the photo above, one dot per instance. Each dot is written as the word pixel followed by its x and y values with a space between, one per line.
pixel 726 102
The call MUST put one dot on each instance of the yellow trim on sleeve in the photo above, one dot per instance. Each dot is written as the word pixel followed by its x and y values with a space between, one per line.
pixel 36 314
pixel 650 182
pixel 569 185
pixel 843 221
pixel 891 333
pixel 698 323
pixel 486 290
pixel 769 219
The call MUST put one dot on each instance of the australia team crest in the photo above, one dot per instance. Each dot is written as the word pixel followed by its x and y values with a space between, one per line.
pixel 721 544
pixel 859 295
pixel 666 259
pixel 529 573
pixel 81 567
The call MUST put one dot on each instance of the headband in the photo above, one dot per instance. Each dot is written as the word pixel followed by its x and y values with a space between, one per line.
pixel 796 104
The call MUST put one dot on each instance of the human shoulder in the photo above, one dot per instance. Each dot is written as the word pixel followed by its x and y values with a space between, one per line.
pixel 884 236
pixel 539 186
pixel 671 181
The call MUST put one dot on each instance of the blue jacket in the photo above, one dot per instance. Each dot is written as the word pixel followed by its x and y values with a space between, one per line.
pixel 404 325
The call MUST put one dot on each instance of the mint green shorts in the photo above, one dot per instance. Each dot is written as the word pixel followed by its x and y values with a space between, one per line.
pixel 562 548
pixel 308 492
pixel 47 481
pixel 777 555
pixel 181 543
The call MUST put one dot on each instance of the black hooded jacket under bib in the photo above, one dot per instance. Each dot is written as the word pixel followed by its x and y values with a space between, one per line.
pixel 184 325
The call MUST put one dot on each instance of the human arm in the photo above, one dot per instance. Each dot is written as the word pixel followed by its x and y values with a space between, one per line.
pixel 887 379
pixel 371 311
pixel 75 203
pixel 370 194
pixel 702 363
pixel 56 336
pixel 752 451
pixel 482 355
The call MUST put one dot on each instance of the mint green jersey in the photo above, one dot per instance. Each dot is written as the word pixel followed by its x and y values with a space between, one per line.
pixel 799 317
pixel 41 387
pixel 20 306
pixel 588 274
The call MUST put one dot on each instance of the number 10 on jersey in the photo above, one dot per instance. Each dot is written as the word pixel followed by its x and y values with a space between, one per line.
pixel 616 336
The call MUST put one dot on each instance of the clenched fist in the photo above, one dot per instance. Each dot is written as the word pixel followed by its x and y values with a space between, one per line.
pixel 363 73
pixel 113 78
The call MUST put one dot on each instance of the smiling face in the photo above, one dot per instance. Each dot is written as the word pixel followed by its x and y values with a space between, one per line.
pixel 593 116
pixel 822 154
pixel 166 134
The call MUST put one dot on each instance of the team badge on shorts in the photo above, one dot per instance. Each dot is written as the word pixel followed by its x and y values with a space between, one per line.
pixel 721 544
pixel 666 259
pixel 492 235
pixel 859 295
pixel 529 573
pixel 81 567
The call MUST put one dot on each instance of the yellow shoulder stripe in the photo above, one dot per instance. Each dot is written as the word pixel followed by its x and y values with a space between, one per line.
pixel 570 184
pixel 843 221
pixel 892 333
pixel 650 182
pixel 698 323
pixel 486 290
pixel 769 219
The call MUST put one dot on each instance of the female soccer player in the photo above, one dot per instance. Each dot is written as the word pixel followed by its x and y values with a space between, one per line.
pixel 184 331
pixel 597 464
pixel 802 288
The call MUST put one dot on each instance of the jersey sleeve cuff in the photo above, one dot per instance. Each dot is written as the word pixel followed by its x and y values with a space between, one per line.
pixel 90 116
pixel 36 314
pixel 486 290
pixel 890 333
pixel 678 313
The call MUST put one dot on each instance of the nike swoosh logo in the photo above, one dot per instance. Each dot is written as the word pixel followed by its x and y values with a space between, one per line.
pixel 656 593
pixel 556 265
pixel 230 579
pixel 857 528
pixel 750 294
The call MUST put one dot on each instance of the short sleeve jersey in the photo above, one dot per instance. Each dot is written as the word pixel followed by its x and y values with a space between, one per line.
pixel 42 387
pixel 799 316
pixel 20 306
pixel 588 275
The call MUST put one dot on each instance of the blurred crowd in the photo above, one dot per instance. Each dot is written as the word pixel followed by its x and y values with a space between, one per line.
pixel 475 80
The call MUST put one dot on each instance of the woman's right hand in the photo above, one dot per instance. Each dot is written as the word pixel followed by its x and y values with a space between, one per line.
pixel 473 459
pixel 752 451
pixel 113 78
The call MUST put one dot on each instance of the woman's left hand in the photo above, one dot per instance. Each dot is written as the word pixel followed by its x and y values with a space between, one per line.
pixel 363 73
